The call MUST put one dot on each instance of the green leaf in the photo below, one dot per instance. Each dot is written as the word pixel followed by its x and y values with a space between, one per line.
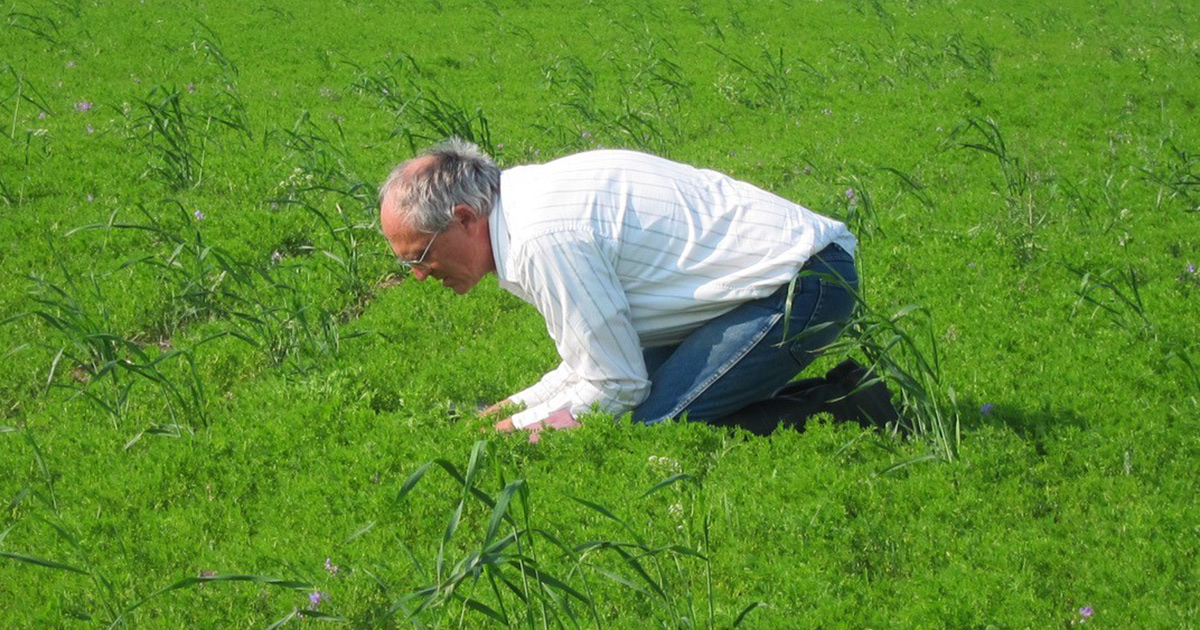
pixel 42 562
pixel 746 611
pixel 501 508
pixel 412 481
pixel 668 481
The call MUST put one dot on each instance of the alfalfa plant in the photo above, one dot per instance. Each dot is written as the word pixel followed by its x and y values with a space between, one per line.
pixel 439 118
pixel 5 194
pixel 177 135
pixel 198 277
pixel 901 349
pixel 504 579
pixel 768 83
pixel 1178 177
pixel 859 201
pixel 501 578
pixel 22 91
pixel 323 166
pixel 1117 293
pixel 1023 210
pixel 282 322
pixel 210 45
pixel 117 605
pixel 106 366
pixel 346 257
pixel 168 131
pixel 423 114
pixel 42 27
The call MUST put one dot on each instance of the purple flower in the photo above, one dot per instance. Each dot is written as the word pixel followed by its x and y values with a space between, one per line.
pixel 585 135
pixel 1086 612
pixel 199 215
pixel 90 197
pixel 850 194
pixel 331 567
pixel 1191 268
pixel 41 115
pixel 83 106
pixel 315 598
pixel 987 409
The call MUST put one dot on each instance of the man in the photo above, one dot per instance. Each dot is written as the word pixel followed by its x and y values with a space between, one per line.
pixel 668 290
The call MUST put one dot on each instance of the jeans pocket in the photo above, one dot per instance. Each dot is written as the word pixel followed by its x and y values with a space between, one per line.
pixel 829 306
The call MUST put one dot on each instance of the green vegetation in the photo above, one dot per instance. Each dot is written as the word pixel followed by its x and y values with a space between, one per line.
pixel 222 406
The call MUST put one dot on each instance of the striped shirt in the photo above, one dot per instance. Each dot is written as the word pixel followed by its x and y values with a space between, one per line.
pixel 621 251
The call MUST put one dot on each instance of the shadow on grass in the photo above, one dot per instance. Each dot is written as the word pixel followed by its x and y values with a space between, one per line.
pixel 1031 425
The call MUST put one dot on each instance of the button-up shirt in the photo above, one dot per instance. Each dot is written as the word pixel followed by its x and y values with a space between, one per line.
pixel 621 251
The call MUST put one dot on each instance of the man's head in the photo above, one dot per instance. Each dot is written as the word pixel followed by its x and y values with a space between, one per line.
pixel 434 212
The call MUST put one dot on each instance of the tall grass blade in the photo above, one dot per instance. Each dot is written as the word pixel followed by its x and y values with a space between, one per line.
pixel 42 562
pixel 746 611
pixel 667 482
pixel 501 508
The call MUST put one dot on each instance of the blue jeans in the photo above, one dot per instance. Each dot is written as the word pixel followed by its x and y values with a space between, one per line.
pixel 742 357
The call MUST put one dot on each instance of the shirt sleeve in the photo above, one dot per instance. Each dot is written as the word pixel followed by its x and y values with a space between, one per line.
pixel 574 285
pixel 549 385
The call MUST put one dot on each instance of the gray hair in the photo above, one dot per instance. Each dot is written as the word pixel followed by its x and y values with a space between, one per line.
pixel 450 173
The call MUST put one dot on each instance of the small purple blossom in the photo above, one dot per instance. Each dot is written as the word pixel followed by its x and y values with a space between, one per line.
pixel 83 106
pixel 850 195
pixel 1086 612
pixel 1191 268
pixel 331 567
pixel 315 598
pixel 90 198
pixel 199 215
pixel 987 409
pixel 41 115
pixel 585 135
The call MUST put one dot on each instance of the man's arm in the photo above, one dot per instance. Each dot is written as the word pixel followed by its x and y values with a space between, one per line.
pixel 574 285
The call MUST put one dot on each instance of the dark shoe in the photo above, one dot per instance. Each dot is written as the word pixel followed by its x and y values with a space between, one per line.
pixel 866 399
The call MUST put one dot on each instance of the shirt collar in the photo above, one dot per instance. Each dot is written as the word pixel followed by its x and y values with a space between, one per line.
pixel 498 230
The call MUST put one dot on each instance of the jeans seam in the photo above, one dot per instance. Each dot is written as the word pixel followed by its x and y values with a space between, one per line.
pixel 811 316
pixel 718 373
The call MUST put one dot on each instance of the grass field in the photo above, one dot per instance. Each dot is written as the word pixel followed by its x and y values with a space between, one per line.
pixel 223 406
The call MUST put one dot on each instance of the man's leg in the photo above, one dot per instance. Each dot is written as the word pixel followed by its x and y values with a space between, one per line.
pixel 743 357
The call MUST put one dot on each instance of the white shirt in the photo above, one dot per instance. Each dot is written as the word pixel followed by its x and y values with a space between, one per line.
pixel 621 251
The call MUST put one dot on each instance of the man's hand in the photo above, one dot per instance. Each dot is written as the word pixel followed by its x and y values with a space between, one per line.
pixel 561 419
pixel 496 408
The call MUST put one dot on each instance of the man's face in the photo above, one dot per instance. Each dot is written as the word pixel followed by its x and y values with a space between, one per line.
pixel 459 256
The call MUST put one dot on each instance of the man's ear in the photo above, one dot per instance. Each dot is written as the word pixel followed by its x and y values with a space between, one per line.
pixel 465 215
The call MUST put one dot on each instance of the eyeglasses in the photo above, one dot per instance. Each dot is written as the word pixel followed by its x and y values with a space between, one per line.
pixel 419 263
